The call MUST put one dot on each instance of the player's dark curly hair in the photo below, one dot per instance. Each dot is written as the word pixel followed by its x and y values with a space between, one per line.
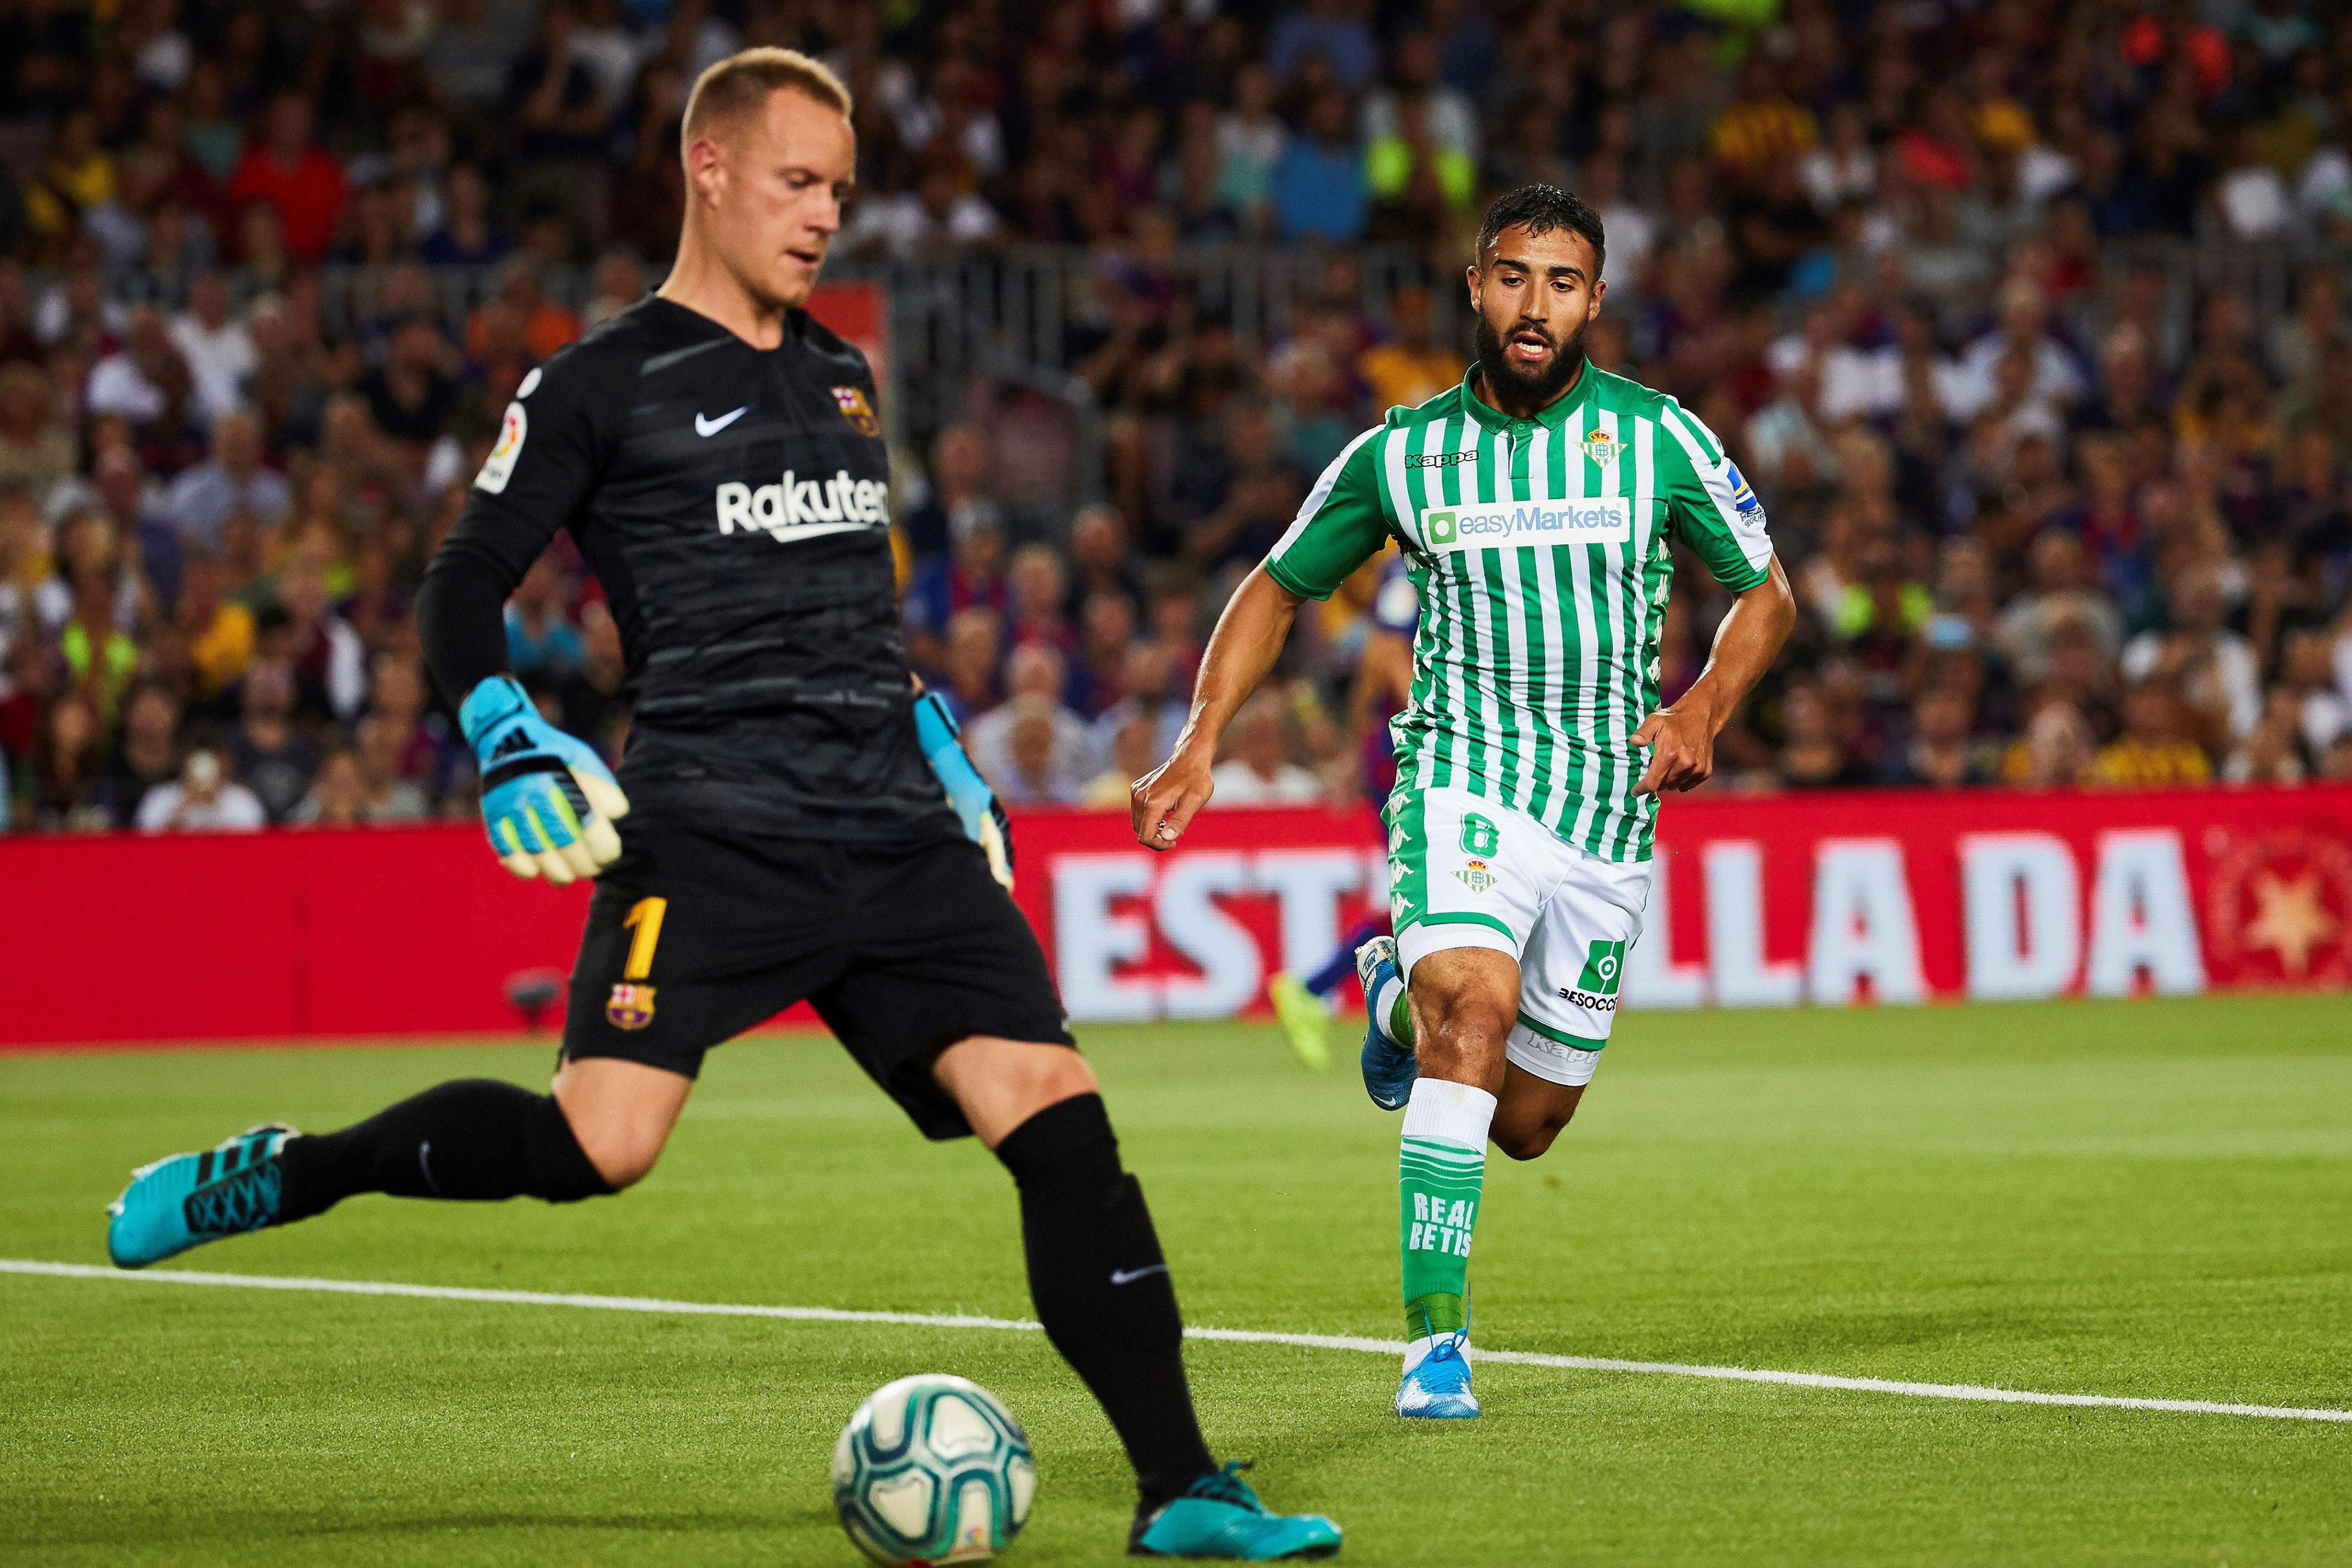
pixel 1539 209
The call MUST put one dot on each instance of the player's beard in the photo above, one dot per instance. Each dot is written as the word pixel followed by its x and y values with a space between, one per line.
pixel 1530 388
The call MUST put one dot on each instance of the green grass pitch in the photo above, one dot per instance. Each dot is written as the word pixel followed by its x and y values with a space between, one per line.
pixel 2149 1198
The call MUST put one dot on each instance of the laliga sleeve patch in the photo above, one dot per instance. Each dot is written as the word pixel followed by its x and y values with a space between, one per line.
pixel 498 467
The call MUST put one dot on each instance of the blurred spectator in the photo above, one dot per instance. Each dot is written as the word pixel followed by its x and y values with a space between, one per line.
pixel 1034 768
pixel 1134 752
pixel 1939 754
pixel 69 768
pixel 142 379
pixel 466 237
pixel 2211 666
pixel 2152 753
pixel 971 577
pixel 1035 585
pixel 1318 187
pixel 217 631
pixel 1100 562
pixel 202 799
pixel 1409 369
pixel 1257 771
pixel 337 796
pixel 939 211
pixel 540 640
pixel 36 449
pixel 293 177
pixel 215 343
pixel 2055 749
pixel 958 497
pixel 1250 142
pixel 148 755
pixel 1815 756
pixel 231 480
pixel 1035 678
pixel 1330 32
pixel 974 647
pixel 389 796
pixel 275 760
pixel 409 395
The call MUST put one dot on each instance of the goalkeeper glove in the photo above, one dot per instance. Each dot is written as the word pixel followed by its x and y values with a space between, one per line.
pixel 548 799
pixel 983 818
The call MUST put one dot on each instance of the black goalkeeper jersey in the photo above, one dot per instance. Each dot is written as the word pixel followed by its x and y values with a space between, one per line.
pixel 734 503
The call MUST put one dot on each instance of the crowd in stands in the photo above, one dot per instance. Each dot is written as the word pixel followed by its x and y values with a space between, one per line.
pixel 2058 510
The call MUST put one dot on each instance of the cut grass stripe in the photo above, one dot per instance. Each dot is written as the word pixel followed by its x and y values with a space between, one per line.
pixel 1966 1391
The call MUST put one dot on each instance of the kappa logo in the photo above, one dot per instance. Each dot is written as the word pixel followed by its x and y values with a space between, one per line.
pixel 857 411
pixel 1440 459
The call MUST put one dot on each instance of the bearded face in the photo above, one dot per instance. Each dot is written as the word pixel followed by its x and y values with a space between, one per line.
pixel 1529 366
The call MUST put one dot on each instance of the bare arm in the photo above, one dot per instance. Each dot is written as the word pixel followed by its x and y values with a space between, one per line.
pixel 1248 639
pixel 1682 735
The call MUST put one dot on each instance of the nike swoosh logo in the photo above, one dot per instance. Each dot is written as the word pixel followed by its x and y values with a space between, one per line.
pixel 713 426
pixel 1130 1276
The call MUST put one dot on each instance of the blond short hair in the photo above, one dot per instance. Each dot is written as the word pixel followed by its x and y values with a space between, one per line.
pixel 742 83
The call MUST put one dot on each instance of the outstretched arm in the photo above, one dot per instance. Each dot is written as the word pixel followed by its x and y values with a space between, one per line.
pixel 547 801
pixel 1682 735
pixel 1248 639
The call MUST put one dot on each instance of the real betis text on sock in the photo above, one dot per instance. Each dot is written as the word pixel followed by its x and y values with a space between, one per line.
pixel 1441 1169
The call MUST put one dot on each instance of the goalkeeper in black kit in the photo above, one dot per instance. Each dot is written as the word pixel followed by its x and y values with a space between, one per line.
pixel 790 821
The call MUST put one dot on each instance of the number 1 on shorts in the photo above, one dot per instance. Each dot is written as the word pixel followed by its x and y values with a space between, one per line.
pixel 645 915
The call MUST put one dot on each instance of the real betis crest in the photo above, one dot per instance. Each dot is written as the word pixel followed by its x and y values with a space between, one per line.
pixel 1602 447
pixel 1476 877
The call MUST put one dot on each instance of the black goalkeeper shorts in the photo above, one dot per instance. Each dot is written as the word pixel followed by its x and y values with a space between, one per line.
pixel 903 950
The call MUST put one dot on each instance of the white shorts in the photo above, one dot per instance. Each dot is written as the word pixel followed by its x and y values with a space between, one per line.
pixel 1466 872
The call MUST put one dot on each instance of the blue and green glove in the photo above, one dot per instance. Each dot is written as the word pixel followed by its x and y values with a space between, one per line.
pixel 548 799
pixel 983 818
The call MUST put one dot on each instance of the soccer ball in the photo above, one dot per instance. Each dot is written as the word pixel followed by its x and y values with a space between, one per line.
pixel 932 1469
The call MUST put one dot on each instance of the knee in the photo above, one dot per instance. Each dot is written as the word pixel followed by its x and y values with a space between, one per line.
pixel 1047 1078
pixel 622 1154
pixel 1529 1141
pixel 1457 1029
pixel 1529 1134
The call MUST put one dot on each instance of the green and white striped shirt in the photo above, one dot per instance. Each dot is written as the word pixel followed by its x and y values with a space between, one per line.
pixel 1541 551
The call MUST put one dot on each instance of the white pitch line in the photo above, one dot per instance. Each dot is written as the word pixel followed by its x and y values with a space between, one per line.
pixel 1968 1392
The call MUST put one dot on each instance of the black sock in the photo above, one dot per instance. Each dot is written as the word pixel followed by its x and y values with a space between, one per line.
pixel 1102 1289
pixel 473 1138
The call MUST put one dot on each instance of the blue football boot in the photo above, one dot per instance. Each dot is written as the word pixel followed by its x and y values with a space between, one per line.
pixel 1220 1517
pixel 184 1199
pixel 1438 1387
pixel 1388 1068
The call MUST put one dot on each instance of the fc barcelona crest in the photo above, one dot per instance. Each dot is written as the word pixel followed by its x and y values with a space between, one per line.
pixel 1602 447
pixel 857 411
pixel 631 1006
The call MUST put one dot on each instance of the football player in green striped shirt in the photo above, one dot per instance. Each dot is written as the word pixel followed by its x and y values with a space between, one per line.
pixel 1538 504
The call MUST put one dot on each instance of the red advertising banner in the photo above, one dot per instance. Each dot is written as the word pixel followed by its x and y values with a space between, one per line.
pixel 1822 899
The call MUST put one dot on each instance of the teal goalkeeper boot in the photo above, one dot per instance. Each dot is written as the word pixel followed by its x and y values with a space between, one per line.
pixel 184 1199
pixel 1220 1517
